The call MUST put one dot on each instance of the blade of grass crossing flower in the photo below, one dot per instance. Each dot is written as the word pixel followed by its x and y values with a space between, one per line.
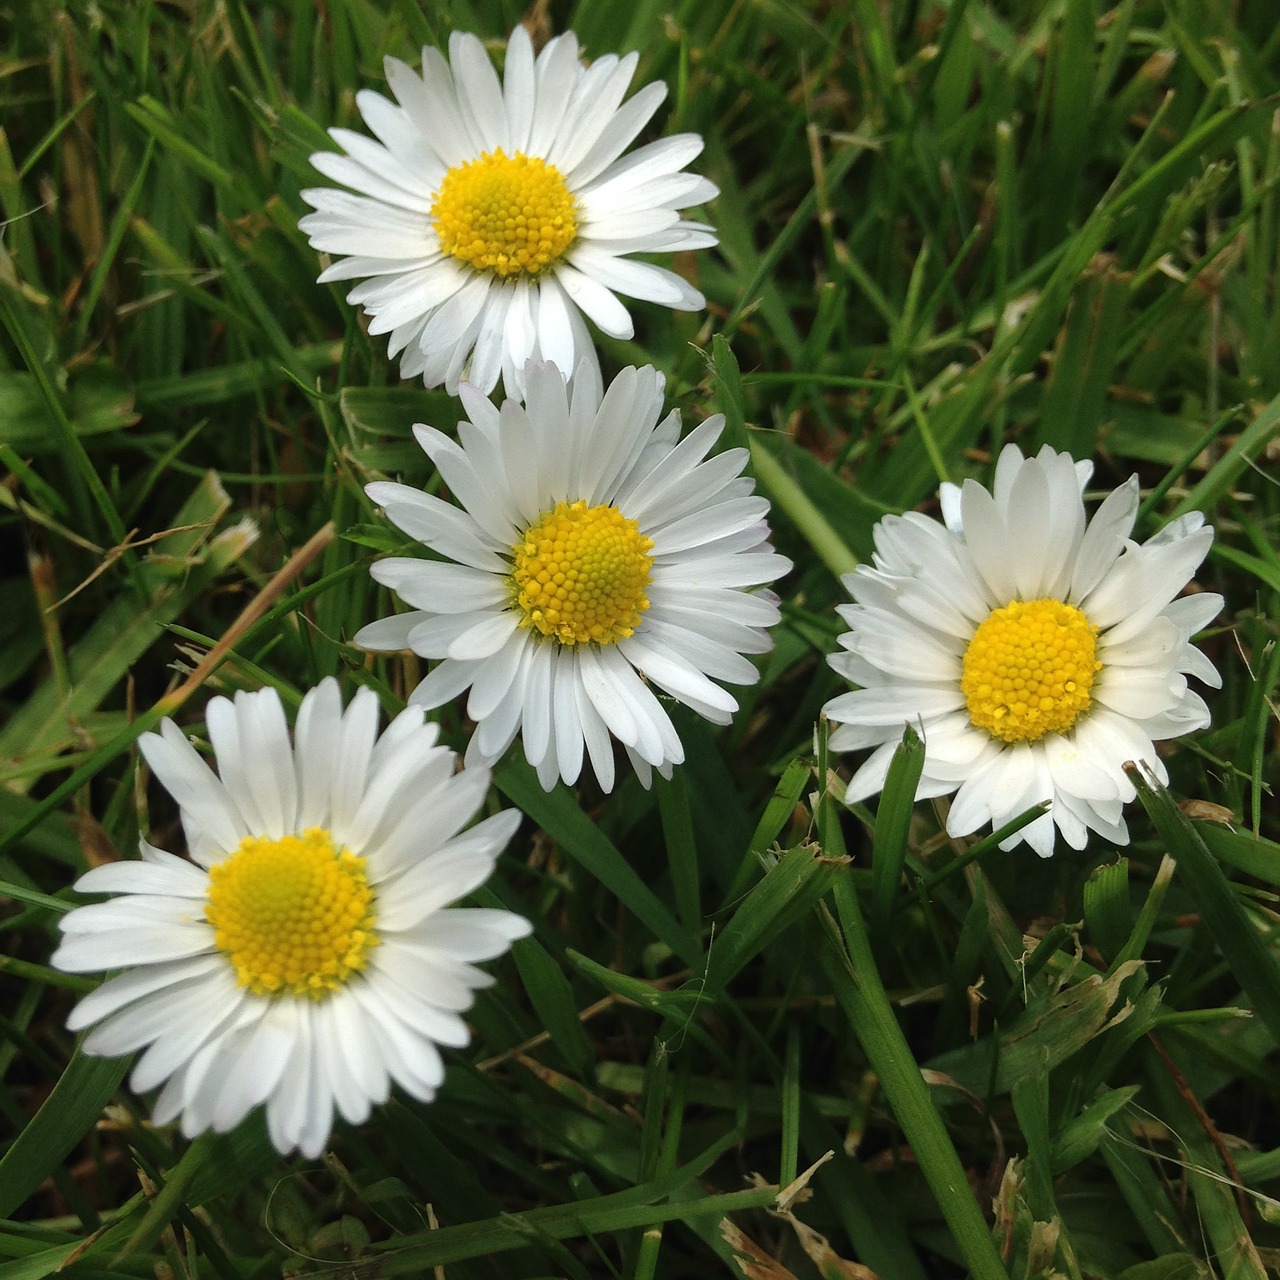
pixel 42 974
pixel 985 846
pixel 559 815
pixel 1238 935
pixel 33 897
pixel 893 822
pixel 859 990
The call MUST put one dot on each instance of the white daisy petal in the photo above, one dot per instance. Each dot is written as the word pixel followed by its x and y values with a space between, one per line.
pixel 680 679
pixel 282 976
pixel 394 128
pixel 595 301
pixel 316 749
pixel 389 634
pixel 1104 539
pixel 423 516
pixel 173 877
pixel 596 739
pixel 431 104
pixel 620 132
pixel 567 696
pixel 136 984
pixel 1035 651
pixel 596 99
pixel 634 279
pixel 633 557
pixel 215 1006
pixel 200 794
pixel 427 584
pixel 479 93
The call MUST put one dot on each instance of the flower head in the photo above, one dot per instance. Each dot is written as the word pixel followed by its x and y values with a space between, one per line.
pixel 595 556
pixel 1036 652
pixel 306 956
pixel 490 216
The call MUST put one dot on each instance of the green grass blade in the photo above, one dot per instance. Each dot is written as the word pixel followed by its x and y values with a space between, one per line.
pixel 558 813
pixel 75 1103
pixel 1241 938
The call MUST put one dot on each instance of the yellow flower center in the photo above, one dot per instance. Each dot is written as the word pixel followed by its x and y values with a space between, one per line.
pixel 580 574
pixel 1029 668
pixel 293 915
pixel 512 215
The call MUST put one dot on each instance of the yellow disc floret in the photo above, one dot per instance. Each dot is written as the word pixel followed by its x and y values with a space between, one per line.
pixel 294 915
pixel 511 215
pixel 1029 668
pixel 580 574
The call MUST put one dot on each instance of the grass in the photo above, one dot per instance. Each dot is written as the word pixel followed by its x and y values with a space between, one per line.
pixel 942 227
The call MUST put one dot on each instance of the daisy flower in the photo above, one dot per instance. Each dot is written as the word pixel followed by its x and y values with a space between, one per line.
pixel 490 217
pixel 595 558
pixel 306 956
pixel 1036 652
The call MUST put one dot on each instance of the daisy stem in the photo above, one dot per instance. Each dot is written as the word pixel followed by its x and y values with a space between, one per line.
pixel 804 515
pixel 855 980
